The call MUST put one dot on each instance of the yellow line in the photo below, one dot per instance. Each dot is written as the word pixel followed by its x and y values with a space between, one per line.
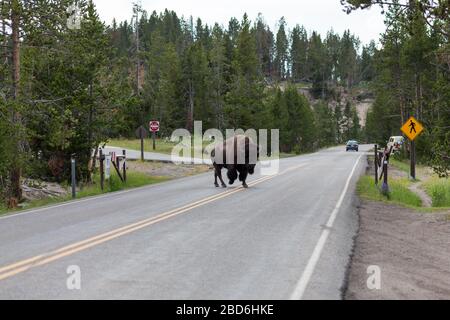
pixel 24 265
pixel 106 234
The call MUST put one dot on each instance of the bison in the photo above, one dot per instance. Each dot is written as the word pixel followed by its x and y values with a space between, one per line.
pixel 238 155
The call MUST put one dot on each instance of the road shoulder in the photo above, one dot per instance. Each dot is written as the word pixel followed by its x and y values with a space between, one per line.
pixel 410 249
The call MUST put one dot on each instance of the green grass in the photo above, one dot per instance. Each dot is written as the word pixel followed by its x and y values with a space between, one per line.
pixel 399 192
pixel 134 180
pixel 162 146
pixel 439 190
pixel 400 165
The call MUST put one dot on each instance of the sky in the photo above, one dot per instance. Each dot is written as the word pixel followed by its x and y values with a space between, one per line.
pixel 318 15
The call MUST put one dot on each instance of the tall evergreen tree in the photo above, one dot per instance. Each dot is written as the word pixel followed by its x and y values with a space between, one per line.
pixel 299 54
pixel 281 51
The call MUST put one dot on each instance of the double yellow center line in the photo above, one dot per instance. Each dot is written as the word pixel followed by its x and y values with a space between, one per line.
pixel 24 265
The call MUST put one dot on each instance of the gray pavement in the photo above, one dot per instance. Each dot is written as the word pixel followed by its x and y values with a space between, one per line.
pixel 186 239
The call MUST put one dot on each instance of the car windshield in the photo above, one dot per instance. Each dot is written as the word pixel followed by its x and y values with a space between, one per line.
pixel 352 142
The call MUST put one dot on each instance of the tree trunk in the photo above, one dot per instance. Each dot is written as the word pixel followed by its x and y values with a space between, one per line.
pixel 15 21
pixel 190 116
pixel 90 119
pixel 5 42
pixel 16 171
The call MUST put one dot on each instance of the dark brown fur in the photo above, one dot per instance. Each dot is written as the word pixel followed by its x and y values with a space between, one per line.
pixel 242 146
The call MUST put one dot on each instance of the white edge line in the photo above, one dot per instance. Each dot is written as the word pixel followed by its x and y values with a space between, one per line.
pixel 302 284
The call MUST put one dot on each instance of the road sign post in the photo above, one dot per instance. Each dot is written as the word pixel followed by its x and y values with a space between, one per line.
pixel 412 129
pixel 154 128
pixel 413 160
pixel 154 140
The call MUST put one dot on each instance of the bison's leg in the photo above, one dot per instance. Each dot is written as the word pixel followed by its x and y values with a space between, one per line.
pixel 218 173
pixel 232 174
pixel 215 177
pixel 243 177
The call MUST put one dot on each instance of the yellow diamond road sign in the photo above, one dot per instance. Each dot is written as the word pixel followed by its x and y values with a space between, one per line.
pixel 412 128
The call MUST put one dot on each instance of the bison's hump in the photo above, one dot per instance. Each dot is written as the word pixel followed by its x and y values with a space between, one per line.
pixel 223 152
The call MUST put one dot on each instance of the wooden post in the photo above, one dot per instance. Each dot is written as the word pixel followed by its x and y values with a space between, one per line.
pixel 124 152
pixel 375 162
pixel 385 186
pixel 118 163
pixel 102 172
pixel 117 170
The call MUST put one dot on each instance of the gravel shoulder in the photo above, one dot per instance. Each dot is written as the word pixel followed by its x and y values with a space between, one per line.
pixel 169 170
pixel 411 249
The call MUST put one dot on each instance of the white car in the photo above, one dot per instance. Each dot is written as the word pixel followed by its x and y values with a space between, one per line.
pixel 396 142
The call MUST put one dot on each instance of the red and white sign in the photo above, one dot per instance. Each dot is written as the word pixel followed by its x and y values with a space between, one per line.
pixel 154 126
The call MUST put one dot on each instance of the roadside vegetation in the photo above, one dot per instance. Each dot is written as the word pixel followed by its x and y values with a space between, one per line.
pixel 139 174
pixel 134 180
pixel 399 192
pixel 406 192
pixel 439 191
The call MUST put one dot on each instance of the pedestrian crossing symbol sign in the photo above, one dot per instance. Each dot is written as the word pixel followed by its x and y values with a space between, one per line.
pixel 412 128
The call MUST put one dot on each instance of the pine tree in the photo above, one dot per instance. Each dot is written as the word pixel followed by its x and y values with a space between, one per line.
pixel 244 101
pixel 326 125
pixel 218 75
pixel 265 46
pixel 299 54
pixel 281 51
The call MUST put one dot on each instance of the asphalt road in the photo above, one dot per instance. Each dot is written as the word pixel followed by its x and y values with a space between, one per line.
pixel 288 236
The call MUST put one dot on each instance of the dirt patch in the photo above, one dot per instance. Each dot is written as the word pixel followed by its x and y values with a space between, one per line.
pixel 426 199
pixel 411 249
pixel 37 190
pixel 169 170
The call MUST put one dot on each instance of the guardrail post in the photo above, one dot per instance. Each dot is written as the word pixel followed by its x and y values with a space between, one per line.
pixel 124 152
pixel 102 170
pixel 385 186
pixel 74 179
